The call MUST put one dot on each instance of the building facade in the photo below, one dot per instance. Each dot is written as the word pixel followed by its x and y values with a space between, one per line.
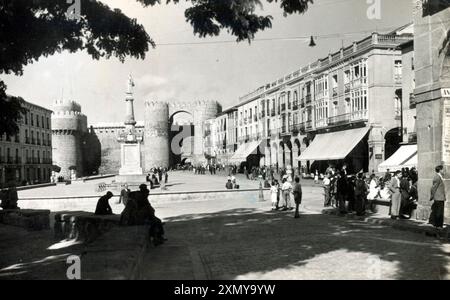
pixel 26 158
pixel 356 90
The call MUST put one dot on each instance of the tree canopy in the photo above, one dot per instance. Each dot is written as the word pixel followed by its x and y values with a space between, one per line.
pixel 33 29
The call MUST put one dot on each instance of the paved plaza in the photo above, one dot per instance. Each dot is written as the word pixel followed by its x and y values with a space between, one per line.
pixel 242 239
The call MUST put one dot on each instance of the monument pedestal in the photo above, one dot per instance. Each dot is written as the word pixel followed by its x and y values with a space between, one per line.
pixel 131 164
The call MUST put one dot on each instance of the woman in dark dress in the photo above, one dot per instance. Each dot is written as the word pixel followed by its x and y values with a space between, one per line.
pixel 404 191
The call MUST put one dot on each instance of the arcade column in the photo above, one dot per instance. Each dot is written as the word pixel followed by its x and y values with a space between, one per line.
pixel 432 94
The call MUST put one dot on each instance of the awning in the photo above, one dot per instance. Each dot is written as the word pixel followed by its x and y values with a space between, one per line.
pixel 404 157
pixel 333 146
pixel 244 151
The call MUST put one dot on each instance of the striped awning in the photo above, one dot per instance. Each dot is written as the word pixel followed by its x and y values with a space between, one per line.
pixel 404 157
pixel 333 146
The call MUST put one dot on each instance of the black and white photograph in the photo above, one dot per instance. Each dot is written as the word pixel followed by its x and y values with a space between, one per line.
pixel 251 142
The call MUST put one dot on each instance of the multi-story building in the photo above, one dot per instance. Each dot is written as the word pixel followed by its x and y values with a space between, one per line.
pixel 26 158
pixel 346 107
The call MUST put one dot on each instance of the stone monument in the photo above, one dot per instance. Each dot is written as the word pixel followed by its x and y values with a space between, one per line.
pixel 130 144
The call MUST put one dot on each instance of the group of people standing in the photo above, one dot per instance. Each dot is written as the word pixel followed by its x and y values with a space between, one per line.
pixel 282 195
pixel 157 176
pixel 350 193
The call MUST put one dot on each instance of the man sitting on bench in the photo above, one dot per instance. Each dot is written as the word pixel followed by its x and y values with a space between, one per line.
pixel 103 208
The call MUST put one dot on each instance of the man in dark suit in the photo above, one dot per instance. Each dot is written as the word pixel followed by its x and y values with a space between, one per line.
pixel 103 207
pixel 438 198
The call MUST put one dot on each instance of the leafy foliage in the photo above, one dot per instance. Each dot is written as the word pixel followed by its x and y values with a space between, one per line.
pixel 238 17
pixel 11 112
pixel 30 29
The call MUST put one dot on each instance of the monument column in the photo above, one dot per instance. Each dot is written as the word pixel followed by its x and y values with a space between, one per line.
pixel 130 145
pixel 432 95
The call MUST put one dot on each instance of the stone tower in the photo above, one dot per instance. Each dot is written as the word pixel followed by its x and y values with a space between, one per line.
pixel 68 127
pixel 156 138
pixel 204 110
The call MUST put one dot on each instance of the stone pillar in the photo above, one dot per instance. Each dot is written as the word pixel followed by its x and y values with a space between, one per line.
pixel 432 74
pixel 287 155
pixel 376 144
pixel 280 157
pixel 156 138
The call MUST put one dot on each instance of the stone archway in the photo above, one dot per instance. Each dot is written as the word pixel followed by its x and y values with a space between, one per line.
pixel 392 139
pixel 181 136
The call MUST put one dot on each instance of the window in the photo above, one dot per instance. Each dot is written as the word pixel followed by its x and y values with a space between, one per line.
pixel 289 100
pixel 26 118
pixel 37 121
pixel 347 76
pixel 398 70
pixel 32 119
pixel 43 124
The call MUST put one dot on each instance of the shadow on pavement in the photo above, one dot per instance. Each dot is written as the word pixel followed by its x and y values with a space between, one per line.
pixel 252 244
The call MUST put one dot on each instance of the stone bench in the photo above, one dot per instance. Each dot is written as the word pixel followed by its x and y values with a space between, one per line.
pixel 30 219
pixel 83 226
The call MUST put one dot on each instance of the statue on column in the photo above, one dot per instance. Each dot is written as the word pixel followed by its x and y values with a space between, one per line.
pixel 130 84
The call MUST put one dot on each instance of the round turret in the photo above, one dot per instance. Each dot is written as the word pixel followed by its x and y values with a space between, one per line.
pixel 156 138
pixel 68 125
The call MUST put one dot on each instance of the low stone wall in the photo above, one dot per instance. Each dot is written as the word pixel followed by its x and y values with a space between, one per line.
pixel 31 220
pixel 88 203
pixel 34 186
pixel 83 226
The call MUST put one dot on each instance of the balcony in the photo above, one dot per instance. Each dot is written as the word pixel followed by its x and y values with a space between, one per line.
pixel 295 129
pixel 38 142
pixel 18 160
pixel 27 140
pixel 283 107
pixel 272 112
pixel 339 120
pixel 302 103
pixel 322 123
pixel 361 115
pixel 308 99
pixel 295 106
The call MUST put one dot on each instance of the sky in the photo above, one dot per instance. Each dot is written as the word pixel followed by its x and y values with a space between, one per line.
pixel 202 69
